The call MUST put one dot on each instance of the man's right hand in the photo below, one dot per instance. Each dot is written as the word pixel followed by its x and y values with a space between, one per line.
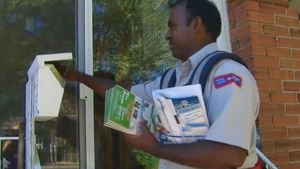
pixel 68 73
pixel 98 84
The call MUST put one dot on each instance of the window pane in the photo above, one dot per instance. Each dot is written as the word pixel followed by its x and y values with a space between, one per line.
pixel 29 28
pixel 128 43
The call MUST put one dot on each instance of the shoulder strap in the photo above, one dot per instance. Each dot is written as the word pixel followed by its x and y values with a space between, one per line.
pixel 203 69
pixel 168 79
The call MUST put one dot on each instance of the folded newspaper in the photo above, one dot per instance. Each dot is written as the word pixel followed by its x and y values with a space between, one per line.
pixel 180 114
pixel 177 116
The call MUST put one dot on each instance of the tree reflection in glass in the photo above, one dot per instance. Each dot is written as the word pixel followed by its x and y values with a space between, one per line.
pixel 128 43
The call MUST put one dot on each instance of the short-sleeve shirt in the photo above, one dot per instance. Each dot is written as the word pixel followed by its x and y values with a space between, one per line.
pixel 231 98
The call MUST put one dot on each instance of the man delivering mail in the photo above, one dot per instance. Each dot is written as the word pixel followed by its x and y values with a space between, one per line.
pixel 230 93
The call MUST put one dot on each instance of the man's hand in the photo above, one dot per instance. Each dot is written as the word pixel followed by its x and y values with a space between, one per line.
pixel 98 84
pixel 68 73
pixel 6 145
pixel 143 141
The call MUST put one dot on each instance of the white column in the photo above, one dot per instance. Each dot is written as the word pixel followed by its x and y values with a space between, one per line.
pixel 223 40
pixel 85 64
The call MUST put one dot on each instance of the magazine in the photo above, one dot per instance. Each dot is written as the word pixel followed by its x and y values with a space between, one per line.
pixel 177 116
pixel 180 114
pixel 124 111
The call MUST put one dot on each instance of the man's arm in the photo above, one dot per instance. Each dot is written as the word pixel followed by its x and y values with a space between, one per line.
pixel 201 154
pixel 99 84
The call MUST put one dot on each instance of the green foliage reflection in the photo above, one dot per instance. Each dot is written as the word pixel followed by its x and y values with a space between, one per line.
pixel 29 28
pixel 129 38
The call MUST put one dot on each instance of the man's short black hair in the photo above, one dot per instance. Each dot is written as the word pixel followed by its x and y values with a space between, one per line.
pixel 206 10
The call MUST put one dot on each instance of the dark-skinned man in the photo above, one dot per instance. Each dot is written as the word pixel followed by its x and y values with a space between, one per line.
pixel 230 94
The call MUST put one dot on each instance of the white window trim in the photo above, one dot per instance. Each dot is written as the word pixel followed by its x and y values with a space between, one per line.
pixel 223 40
pixel 86 96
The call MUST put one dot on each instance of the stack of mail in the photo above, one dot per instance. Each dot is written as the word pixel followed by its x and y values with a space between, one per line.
pixel 180 114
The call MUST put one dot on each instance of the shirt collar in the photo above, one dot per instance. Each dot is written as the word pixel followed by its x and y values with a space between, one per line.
pixel 193 60
pixel 202 53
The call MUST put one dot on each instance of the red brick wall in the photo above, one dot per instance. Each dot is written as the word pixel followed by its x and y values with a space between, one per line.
pixel 267 35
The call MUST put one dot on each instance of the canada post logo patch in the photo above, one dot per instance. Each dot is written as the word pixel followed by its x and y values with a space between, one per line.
pixel 227 79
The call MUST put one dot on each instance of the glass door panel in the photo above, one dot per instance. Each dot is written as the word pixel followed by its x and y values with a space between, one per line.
pixel 29 28
pixel 128 44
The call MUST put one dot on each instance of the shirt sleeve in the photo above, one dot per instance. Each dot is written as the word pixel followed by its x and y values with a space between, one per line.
pixel 231 98
pixel 145 89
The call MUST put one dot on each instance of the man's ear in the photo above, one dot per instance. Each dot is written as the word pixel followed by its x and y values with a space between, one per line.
pixel 197 24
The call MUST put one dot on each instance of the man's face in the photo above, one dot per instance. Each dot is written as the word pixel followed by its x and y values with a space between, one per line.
pixel 180 33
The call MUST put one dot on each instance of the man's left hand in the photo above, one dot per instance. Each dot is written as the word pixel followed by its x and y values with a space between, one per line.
pixel 143 141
